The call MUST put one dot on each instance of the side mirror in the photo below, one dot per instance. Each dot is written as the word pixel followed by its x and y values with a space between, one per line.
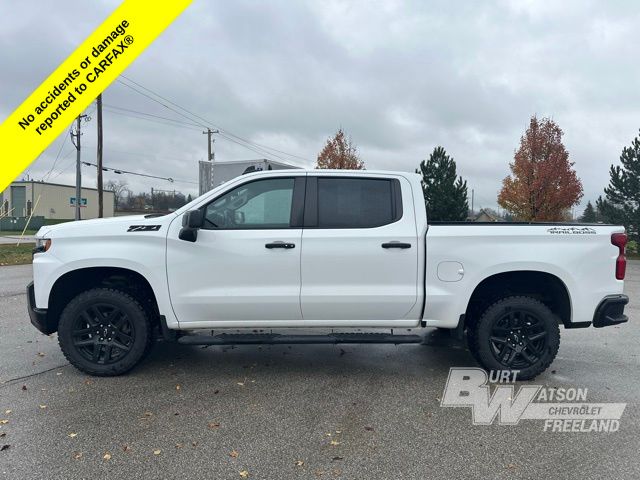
pixel 191 223
pixel 193 219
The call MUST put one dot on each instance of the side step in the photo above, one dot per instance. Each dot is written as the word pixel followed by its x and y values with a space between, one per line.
pixel 278 339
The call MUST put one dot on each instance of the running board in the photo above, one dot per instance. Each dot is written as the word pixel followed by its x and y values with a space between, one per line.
pixel 278 339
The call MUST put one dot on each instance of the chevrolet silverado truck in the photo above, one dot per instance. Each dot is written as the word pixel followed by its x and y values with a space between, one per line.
pixel 346 255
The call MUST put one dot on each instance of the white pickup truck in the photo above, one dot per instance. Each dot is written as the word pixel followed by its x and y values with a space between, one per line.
pixel 320 250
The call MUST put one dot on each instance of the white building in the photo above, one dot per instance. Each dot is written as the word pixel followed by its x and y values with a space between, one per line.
pixel 52 201
pixel 222 172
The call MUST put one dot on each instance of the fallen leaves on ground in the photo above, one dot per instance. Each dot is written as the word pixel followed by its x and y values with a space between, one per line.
pixel 126 448
pixel 178 387
pixel 244 474
pixel 107 456
pixel 24 387
pixel 4 421
pixel 369 429
pixel 299 463
pixel 77 455
pixel 7 412
pixel 233 454
pixel 213 425
pixel 73 435
pixel 3 434
pixel 157 452
pixel 42 407
pixel 5 447
pixel 178 445
pixel 334 442
pixel 41 354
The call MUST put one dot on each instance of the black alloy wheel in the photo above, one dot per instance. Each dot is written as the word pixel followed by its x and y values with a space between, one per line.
pixel 516 333
pixel 104 332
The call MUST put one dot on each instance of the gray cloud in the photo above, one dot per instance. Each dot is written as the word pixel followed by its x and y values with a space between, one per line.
pixel 400 77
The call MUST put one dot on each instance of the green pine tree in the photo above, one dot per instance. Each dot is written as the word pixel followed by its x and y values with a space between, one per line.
pixel 445 194
pixel 622 202
pixel 589 214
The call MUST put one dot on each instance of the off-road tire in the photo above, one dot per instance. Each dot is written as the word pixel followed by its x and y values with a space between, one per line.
pixel 532 353
pixel 89 308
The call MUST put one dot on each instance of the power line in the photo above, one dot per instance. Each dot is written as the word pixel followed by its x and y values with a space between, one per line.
pixel 182 122
pixel 169 101
pixel 48 174
pixel 159 102
pixel 257 147
pixel 150 119
pixel 120 171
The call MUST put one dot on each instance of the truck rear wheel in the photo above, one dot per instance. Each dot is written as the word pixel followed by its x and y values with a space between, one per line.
pixel 104 332
pixel 516 333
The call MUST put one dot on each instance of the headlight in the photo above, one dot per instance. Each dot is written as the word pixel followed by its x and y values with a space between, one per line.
pixel 42 245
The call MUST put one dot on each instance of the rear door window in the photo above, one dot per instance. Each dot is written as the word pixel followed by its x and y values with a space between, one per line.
pixel 357 202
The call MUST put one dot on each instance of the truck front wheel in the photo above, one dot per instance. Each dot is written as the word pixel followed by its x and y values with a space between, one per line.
pixel 104 332
pixel 516 333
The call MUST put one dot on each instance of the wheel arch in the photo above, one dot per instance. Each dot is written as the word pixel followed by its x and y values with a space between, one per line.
pixel 74 282
pixel 543 286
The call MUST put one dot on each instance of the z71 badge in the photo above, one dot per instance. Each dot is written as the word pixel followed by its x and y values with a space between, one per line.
pixel 571 231
pixel 144 228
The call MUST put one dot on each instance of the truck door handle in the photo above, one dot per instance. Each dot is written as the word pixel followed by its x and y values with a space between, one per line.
pixel 396 245
pixel 279 245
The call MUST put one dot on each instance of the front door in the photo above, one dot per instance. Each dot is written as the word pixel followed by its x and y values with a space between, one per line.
pixel 245 263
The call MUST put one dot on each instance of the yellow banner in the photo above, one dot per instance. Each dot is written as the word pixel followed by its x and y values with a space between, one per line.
pixel 79 80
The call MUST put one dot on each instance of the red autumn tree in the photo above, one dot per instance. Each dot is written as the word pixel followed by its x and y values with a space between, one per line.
pixel 543 185
pixel 341 153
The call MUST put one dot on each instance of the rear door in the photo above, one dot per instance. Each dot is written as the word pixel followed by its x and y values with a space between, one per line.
pixel 360 249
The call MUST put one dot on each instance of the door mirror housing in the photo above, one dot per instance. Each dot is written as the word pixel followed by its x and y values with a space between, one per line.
pixel 193 219
pixel 191 223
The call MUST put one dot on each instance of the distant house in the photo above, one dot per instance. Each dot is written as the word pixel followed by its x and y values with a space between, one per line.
pixel 487 216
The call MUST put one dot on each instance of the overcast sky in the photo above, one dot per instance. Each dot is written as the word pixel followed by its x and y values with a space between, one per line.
pixel 400 77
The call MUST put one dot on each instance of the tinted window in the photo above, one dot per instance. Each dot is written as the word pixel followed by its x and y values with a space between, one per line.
pixel 354 202
pixel 259 204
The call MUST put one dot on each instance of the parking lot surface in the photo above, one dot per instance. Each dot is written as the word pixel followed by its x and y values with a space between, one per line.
pixel 300 411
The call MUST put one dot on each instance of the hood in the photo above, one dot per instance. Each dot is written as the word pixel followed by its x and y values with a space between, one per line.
pixel 100 226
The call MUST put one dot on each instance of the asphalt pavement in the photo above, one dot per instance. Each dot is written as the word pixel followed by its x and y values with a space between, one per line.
pixel 280 412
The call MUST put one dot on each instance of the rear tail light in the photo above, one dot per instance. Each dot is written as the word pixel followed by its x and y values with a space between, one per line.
pixel 620 241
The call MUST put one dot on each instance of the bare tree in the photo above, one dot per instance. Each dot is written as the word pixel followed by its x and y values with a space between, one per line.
pixel 119 189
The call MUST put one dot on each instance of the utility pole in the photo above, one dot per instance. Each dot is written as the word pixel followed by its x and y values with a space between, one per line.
pixel 78 166
pixel 205 167
pixel 99 159
pixel 472 211
pixel 210 153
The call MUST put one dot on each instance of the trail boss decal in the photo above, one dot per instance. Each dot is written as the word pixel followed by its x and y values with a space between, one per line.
pixel 571 231
pixel 144 228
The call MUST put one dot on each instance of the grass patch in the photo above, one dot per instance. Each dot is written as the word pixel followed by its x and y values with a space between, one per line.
pixel 11 233
pixel 15 254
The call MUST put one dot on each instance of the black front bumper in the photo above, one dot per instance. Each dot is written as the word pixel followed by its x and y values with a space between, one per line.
pixel 38 316
pixel 610 311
